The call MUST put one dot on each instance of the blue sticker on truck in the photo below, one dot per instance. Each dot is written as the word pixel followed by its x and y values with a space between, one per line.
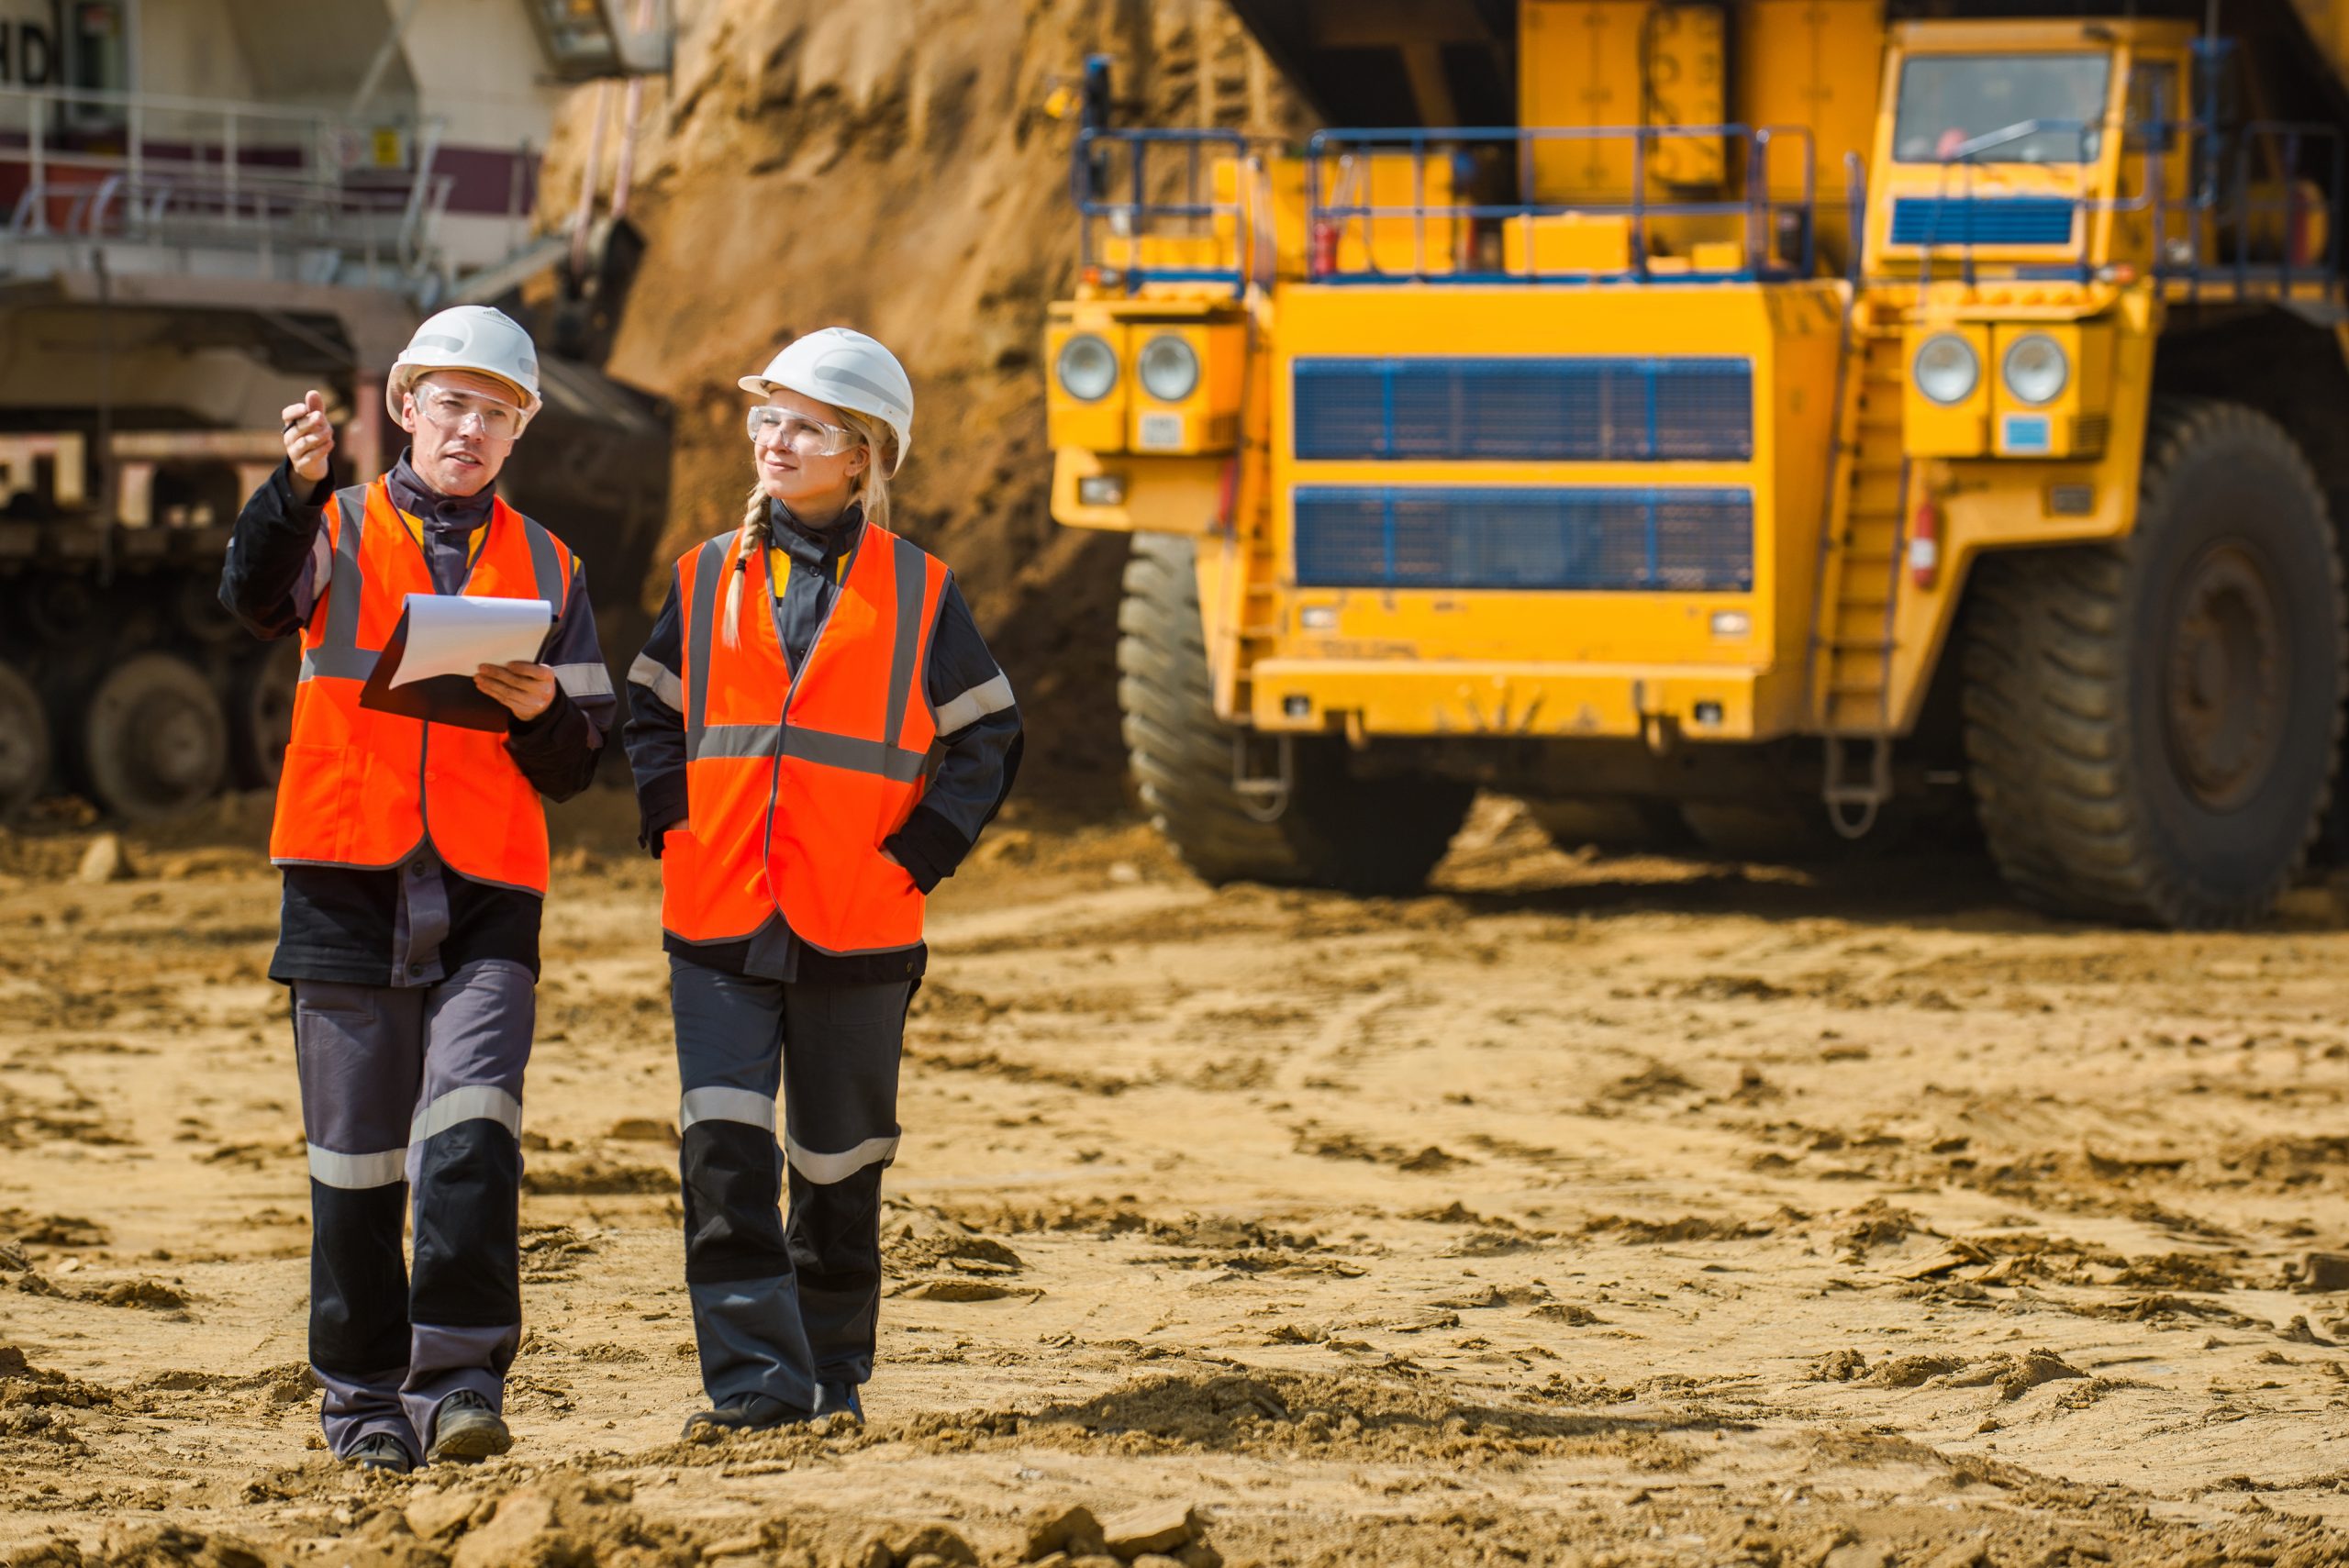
pixel 2021 435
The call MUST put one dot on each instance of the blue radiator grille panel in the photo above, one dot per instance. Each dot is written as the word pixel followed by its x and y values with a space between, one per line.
pixel 1525 409
pixel 1987 221
pixel 1615 539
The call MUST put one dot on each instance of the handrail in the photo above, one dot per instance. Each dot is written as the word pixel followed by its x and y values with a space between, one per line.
pixel 225 172
pixel 174 103
pixel 2230 213
pixel 1089 173
pixel 1757 207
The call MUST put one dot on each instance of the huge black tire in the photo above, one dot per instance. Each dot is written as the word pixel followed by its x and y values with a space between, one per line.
pixel 261 712
pixel 154 740
pixel 2152 726
pixel 1360 835
pixel 24 743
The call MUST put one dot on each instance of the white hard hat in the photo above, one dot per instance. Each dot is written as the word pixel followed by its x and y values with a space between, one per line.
pixel 469 338
pixel 847 369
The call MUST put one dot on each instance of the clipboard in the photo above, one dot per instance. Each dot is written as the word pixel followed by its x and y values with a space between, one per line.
pixel 436 699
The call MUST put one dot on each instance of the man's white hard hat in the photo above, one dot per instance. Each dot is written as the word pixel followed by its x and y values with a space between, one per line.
pixel 469 338
pixel 847 369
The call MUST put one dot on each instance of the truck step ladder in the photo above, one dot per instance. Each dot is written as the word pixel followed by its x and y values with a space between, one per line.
pixel 1859 578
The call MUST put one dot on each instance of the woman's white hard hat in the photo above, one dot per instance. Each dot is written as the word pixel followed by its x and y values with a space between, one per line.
pixel 847 369
pixel 469 338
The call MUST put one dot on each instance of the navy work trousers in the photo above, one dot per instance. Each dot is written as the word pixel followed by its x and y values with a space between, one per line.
pixel 413 1090
pixel 780 1304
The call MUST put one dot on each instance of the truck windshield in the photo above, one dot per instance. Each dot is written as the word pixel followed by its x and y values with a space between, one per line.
pixel 1948 100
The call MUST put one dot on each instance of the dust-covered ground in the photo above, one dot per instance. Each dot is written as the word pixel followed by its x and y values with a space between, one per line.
pixel 1585 1211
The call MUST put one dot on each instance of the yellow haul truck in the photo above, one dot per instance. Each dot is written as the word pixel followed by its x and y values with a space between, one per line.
pixel 1805 415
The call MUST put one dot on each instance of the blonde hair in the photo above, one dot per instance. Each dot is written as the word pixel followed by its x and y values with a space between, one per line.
pixel 871 492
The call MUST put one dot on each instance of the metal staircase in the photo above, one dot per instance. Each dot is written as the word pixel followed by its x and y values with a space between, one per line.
pixel 1861 555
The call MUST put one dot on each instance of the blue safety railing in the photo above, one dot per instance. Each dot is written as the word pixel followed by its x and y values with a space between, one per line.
pixel 2215 230
pixel 2233 213
pixel 1764 219
pixel 1133 163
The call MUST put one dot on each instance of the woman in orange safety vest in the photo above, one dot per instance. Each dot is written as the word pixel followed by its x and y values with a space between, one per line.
pixel 818 734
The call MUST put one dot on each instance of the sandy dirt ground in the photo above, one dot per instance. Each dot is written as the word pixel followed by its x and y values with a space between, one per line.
pixel 1584 1211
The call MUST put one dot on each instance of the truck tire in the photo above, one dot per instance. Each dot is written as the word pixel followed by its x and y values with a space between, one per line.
pixel 261 712
pixel 1358 835
pixel 154 738
pixel 24 743
pixel 2153 725
pixel 1613 824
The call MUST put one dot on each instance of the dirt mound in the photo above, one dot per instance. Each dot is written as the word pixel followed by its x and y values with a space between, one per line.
pixel 891 168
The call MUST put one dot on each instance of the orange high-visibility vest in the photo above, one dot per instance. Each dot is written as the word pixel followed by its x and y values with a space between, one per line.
pixel 365 788
pixel 793 777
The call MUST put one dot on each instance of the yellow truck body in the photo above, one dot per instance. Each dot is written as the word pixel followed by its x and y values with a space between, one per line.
pixel 1684 412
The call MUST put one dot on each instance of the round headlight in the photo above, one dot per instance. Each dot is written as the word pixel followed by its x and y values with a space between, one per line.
pixel 1087 368
pixel 1947 369
pixel 1168 368
pixel 2036 368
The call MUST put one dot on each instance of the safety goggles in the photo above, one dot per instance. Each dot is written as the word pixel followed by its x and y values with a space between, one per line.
pixel 770 426
pixel 454 411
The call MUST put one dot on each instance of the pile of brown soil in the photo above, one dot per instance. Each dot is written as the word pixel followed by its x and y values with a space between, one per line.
pixel 892 168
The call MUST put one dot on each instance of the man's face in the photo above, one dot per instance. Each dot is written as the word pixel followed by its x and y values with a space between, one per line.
pixel 463 425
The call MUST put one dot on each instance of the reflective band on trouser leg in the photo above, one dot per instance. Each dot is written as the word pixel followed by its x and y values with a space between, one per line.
pixel 738 1271
pixel 841 1045
pixel 465 1163
pixel 358 1053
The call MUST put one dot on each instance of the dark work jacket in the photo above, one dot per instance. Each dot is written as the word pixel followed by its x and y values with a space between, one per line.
pixel 381 928
pixel 975 760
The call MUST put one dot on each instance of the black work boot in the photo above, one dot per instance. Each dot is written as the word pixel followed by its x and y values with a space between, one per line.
pixel 839 1398
pixel 380 1451
pixel 743 1413
pixel 466 1431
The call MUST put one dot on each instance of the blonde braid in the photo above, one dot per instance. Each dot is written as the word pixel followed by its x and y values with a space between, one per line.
pixel 756 532
pixel 872 493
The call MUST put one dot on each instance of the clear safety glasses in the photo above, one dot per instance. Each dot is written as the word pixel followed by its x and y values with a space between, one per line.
pixel 808 438
pixel 454 410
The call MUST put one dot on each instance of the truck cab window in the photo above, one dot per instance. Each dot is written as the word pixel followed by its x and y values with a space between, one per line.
pixel 1950 100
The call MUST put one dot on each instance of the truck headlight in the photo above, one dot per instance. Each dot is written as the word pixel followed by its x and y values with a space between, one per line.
pixel 1168 368
pixel 1087 368
pixel 1947 369
pixel 2036 368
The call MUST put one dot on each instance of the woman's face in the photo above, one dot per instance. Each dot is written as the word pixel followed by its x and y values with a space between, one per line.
pixel 801 480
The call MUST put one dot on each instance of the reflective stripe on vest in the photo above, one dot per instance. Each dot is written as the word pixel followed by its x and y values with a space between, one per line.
pixel 363 788
pixel 794 778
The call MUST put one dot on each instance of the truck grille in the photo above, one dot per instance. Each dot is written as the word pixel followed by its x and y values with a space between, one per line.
pixel 1990 221
pixel 1618 539
pixel 1524 409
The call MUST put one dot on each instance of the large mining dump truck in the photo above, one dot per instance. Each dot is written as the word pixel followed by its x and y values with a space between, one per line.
pixel 211 206
pixel 1776 422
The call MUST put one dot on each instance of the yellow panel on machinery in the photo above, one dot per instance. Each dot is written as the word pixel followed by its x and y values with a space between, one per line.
pixel 1589 63
pixel 1717 664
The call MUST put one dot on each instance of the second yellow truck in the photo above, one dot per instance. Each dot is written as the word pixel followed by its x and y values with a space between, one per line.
pixel 1798 422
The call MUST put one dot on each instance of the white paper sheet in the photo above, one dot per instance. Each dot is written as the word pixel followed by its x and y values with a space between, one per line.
pixel 452 634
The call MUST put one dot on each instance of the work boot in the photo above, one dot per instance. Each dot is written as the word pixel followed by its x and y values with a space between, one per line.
pixel 839 1398
pixel 466 1431
pixel 380 1451
pixel 743 1413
